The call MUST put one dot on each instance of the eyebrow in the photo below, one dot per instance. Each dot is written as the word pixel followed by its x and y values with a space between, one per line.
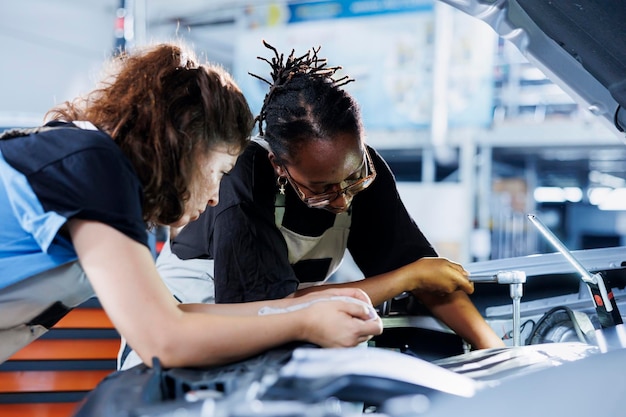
pixel 363 163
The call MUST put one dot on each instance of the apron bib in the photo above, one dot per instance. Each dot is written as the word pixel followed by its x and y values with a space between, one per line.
pixel 331 244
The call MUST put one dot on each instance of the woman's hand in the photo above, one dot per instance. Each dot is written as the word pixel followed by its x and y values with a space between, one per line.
pixel 335 317
pixel 338 322
pixel 438 276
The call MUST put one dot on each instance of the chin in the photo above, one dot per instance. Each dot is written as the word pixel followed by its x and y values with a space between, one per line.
pixel 182 221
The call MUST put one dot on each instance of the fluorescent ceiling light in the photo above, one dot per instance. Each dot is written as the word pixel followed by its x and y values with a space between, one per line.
pixel 573 194
pixel 615 200
pixel 549 195
pixel 557 194
pixel 597 195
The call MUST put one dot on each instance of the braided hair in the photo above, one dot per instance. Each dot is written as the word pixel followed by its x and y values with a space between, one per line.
pixel 305 102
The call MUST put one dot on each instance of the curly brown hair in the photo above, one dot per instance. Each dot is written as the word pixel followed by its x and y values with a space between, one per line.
pixel 162 107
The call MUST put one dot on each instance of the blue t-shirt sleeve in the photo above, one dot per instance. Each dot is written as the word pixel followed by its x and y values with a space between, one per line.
pixel 79 173
pixel 17 201
pixel 51 175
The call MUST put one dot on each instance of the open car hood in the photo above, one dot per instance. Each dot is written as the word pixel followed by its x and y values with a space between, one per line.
pixel 580 46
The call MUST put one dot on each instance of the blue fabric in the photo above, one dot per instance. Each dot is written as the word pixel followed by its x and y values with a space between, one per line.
pixel 27 236
pixel 55 174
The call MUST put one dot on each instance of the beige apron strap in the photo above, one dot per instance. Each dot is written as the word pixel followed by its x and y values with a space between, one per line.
pixel 279 202
pixel 343 219
pixel 279 209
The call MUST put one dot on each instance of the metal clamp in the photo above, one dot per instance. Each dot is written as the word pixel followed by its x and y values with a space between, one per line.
pixel 516 281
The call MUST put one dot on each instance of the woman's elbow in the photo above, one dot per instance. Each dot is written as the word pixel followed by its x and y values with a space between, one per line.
pixel 165 350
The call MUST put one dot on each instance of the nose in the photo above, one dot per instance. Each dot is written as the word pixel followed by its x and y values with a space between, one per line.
pixel 214 197
pixel 341 202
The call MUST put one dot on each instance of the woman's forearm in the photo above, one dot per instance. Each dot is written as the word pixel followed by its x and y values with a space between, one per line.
pixel 458 312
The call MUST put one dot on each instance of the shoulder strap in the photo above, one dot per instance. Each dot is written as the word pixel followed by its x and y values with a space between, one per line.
pixel 279 209
pixel 20 132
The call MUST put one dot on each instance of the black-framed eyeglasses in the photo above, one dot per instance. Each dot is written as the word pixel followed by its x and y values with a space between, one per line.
pixel 348 187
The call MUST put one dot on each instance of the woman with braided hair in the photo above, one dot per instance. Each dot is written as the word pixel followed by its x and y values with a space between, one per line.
pixel 306 189
pixel 149 146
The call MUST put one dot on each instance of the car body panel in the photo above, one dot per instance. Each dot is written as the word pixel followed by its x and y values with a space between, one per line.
pixel 580 46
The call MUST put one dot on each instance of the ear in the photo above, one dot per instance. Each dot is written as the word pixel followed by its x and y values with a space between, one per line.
pixel 280 171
